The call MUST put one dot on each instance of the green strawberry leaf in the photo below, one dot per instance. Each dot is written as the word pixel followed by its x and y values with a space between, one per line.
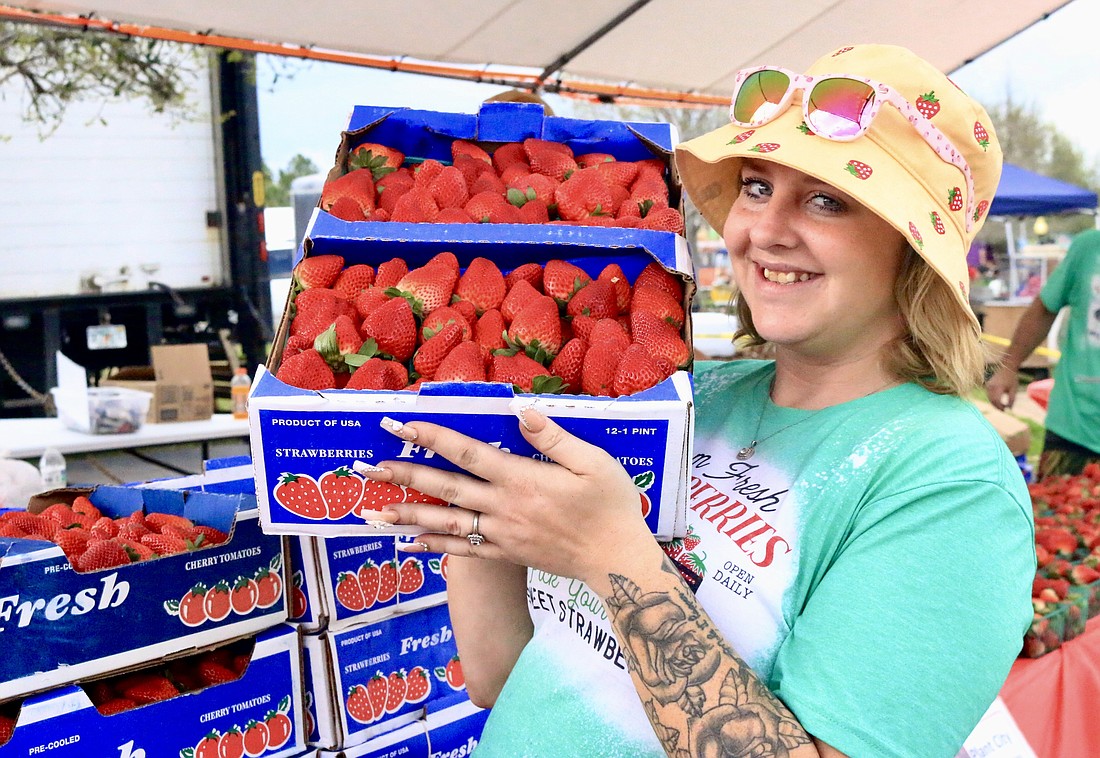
pixel 645 480
pixel 547 385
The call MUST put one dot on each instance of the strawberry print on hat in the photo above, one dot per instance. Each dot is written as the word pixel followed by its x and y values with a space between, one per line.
pixel 764 147
pixel 859 169
pixel 955 199
pixel 937 222
pixel 981 209
pixel 928 104
pixel 981 135
pixel 916 236
pixel 741 137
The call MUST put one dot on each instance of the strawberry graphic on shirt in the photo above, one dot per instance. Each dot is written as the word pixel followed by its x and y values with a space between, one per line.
pixel 928 104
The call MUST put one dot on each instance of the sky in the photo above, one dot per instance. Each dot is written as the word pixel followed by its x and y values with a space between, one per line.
pixel 1053 65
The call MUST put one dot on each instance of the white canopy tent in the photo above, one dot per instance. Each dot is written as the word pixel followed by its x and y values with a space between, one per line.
pixel 674 46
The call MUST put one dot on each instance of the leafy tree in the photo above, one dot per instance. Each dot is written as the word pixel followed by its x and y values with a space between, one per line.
pixel 277 188
pixel 58 66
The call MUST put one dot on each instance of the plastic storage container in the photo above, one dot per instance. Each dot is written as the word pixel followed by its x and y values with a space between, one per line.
pixel 111 410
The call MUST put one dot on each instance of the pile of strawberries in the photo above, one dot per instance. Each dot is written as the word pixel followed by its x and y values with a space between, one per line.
pixel 531 182
pixel 93 541
pixel 1067 549
pixel 543 329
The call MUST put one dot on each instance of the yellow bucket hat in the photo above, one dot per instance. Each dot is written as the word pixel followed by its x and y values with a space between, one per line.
pixel 893 168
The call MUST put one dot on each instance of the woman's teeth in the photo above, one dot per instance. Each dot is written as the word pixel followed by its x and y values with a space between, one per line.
pixel 785 277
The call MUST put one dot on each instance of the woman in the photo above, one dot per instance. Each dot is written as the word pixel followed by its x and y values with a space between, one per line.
pixel 865 537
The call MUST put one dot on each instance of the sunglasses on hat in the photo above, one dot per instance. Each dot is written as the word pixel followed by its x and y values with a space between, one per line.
pixel 836 107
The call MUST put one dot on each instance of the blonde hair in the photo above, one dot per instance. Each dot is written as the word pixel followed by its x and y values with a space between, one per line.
pixel 942 349
pixel 520 96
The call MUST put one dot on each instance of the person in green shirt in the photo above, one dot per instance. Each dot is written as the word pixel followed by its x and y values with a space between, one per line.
pixel 1072 438
pixel 856 574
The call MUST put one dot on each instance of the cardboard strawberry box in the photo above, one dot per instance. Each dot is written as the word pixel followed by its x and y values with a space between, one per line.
pixel 62 625
pixel 409 741
pixel 454 727
pixel 257 714
pixel 373 678
pixel 305 442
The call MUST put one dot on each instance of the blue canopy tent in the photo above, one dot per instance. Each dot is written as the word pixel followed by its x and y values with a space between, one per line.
pixel 1025 193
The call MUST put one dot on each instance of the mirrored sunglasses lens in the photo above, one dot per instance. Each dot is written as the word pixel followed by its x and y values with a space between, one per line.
pixel 837 107
pixel 759 96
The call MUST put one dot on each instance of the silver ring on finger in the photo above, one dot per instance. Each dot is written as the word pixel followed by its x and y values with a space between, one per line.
pixel 475 537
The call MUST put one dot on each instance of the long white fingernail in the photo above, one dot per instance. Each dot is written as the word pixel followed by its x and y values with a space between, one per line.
pixel 520 407
pixel 395 427
pixel 362 466
pixel 379 525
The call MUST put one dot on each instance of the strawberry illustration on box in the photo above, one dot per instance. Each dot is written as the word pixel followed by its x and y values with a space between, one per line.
pixel 62 621
pixel 422 580
pixel 227 703
pixel 372 678
pixel 358 577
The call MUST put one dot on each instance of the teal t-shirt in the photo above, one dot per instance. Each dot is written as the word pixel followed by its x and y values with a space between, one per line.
pixel 871 561
pixel 1074 408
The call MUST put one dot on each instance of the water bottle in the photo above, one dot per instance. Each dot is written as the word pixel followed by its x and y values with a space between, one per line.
pixel 238 391
pixel 52 468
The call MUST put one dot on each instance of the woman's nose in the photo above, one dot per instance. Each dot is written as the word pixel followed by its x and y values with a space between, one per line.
pixel 770 225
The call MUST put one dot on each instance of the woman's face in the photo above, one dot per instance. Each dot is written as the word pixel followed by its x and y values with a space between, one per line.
pixel 816 268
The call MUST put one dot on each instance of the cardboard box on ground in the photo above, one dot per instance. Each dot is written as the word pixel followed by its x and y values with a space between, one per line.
pixel 1015 432
pixel 179 379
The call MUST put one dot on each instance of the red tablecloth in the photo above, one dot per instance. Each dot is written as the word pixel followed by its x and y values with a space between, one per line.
pixel 1055 699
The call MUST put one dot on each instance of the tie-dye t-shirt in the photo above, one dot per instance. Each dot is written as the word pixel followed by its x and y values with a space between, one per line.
pixel 871 561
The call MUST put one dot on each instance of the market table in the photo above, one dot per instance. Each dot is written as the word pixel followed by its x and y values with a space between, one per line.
pixel 28 438
pixel 1054 698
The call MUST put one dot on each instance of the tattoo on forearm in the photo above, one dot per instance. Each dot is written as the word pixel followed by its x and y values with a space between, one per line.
pixel 705 700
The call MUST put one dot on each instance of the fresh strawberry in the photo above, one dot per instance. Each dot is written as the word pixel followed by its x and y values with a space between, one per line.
pixel 445 258
pixel 392 326
pixel 391 188
pixel 378 159
pixel 299 494
pixel 637 371
pixel 116 705
pixel 463 364
pixel 552 159
pixel 157 521
pixel 318 271
pixel 368 582
pixel 519 297
pixel 568 362
pixel 417 206
pixel 536 329
pixel 609 330
pixel 339 340
pixel 101 555
pixel 523 372
pixel 663 220
pixel 295 344
pixel 426 288
pixel 534 212
pixel 356 187
pixel 440 317
pixel 390 273
pixel 463 147
pixel 84 506
pixel 453 216
pixel 489 332
pixel 378 374
pixel 660 338
pixel 471 168
pixel 597 299
pixel 582 195
pixel 164 544
pixel 648 192
pixel 481 284
pixel 1083 574
pixel 359 705
pixel 436 348
pixel 613 275
pixel 72 541
pixel 532 272
pixel 618 173
pixel 657 276
pixel 387 581
pixel 307 370
pixel 486 207
pixel 525 187
pixel 488 182
pixel 598 368
pixel 353 280
pixel 594 159
pixel 144 688
pixel 315 310
pixel 448 189
pixel 62 513
pixel 427 172
pixel 561 280
pixel 212 673
pixel 465 309
pixel 658 302
pixel 367 300
pixel 508 154
pixel 348 592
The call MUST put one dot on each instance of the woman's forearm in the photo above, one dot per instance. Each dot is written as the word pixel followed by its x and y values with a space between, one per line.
pixel 488 607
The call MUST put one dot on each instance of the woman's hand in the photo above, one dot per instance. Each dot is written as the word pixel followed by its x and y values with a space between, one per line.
pixel 573 517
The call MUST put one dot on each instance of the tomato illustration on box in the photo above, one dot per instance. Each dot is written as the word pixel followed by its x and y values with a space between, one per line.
pixel 257 714
pixel 62 624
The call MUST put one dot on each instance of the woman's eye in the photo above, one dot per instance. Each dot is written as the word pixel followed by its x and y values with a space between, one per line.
pixel 827 203
pixel 755 187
